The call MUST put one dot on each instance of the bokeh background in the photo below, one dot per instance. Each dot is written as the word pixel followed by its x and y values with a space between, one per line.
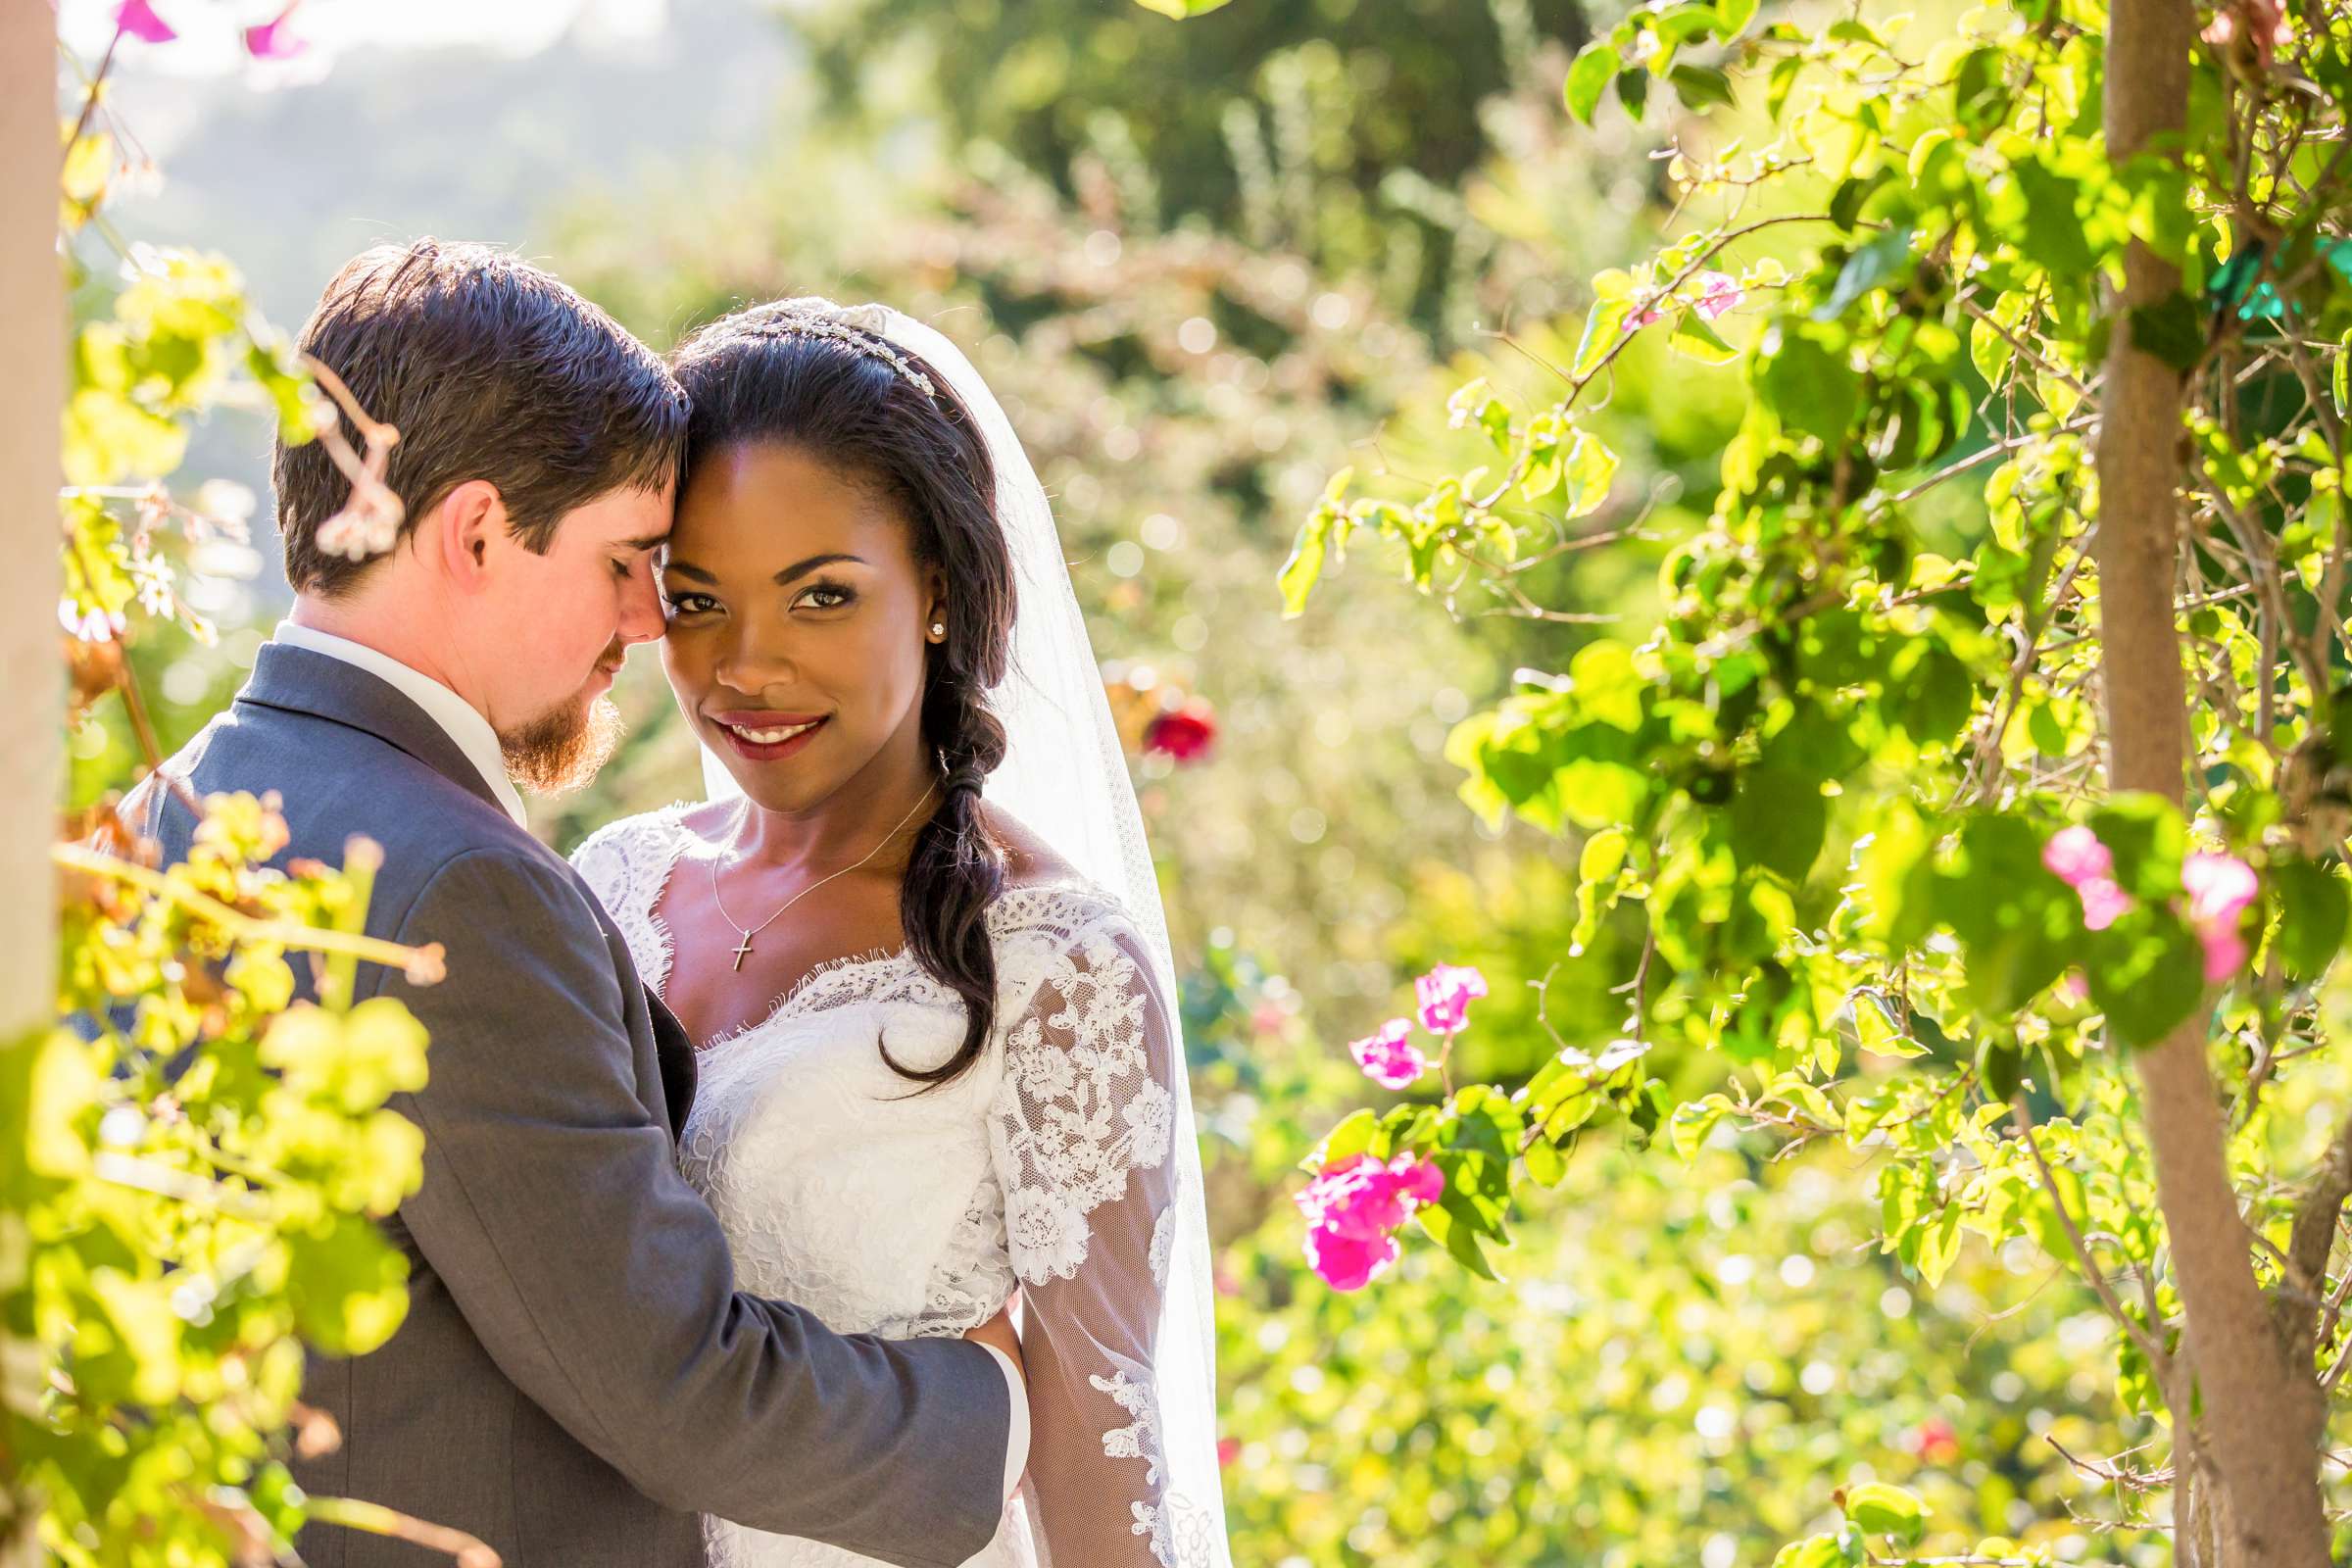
pixel 1206 266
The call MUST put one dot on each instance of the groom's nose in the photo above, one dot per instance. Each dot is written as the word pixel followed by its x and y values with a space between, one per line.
pixel 641 619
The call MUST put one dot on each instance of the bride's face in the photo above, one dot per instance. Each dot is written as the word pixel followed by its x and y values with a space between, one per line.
pixel 798 623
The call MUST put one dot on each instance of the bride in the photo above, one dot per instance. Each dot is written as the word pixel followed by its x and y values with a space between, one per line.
pixel 915 930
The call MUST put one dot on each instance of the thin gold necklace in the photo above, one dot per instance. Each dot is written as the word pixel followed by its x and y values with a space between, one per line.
pixel 741 952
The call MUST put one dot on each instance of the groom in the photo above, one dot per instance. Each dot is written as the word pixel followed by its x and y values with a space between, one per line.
pixel 577 1378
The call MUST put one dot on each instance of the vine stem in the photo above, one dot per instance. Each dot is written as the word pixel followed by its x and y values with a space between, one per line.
pixel 378 1520
pixel 2140 1336
pixel 423 966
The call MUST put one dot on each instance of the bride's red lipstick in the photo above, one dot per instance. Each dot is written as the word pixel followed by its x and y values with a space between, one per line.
pixel 734 725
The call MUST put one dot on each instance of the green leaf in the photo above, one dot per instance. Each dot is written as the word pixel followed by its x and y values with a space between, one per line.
pixel 1353 1136
pixel 1731 17
pixel 2313 908
pixel 1884 1510
pixel 1453 1225
pixel 2148 839
pixel 1865 271
pixel 1692 1120
pixel 2001 1064
pixel 1778 821
pixel 1182 9
pixel 2054 234
pixel 2147 973
pixel 1696 339
pixel 1587 473
pixel 1813 1551
pixel 1604 329
pixel 1877 1029
pixel 1596 66
pixel 1701 87
pixel 2171 328
pixel 1808 385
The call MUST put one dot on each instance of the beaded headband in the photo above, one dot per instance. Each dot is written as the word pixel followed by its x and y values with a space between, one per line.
pixel 794 320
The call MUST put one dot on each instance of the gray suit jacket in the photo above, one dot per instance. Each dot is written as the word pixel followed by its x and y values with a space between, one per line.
pixel 578 1377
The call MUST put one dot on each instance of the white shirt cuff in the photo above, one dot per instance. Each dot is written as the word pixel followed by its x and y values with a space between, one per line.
pixel 1016 1445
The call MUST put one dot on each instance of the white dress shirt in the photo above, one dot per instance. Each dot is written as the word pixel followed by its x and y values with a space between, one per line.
pixel 465 726
pixel 456 717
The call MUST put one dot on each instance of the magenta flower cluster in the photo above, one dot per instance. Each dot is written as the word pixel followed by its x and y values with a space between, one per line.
pixel 1389 1057
pixel 1353 1210
pixel 270 40
pixel 1356 1205
pixel 2219 888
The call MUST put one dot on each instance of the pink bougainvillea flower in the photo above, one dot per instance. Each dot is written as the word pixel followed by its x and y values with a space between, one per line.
pixel 2072 989
pixel 1718 292
pixel 273 39
pixel 1354 1210
pixel 1446 993
pixel 1344 1263
pixel 1417 1180
pixel 139 18
pixel 2104 901
pixel 2075 855
pixel 2219 889
pixel 1390 1059
pixel 1228 1449
pixel 1352 1197
pixel 2263 22
pixel 1360 1198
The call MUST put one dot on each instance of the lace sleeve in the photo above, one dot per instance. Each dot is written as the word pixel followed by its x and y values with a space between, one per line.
pixel 1081 1132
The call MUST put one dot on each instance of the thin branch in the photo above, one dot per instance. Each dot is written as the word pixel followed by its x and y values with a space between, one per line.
pixel 2157 1358
pixel 422 967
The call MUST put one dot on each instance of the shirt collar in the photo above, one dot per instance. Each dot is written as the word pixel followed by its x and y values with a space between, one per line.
pixel 456 715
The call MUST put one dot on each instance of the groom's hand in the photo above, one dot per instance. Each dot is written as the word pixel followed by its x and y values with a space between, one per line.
pixel 998 1333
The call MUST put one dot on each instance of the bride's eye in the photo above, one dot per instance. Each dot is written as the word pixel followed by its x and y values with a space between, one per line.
pixel 828 596
pixel 676 605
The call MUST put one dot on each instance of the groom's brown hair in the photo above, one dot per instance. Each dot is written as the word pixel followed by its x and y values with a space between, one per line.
pixel 489 368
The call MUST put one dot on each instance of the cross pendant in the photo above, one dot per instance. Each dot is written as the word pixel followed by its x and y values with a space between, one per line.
pixel 741 951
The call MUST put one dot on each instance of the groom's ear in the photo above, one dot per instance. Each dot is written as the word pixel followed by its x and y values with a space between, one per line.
pixel 465 529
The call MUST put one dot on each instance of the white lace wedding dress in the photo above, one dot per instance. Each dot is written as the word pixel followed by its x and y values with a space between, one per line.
pixel 1045 1166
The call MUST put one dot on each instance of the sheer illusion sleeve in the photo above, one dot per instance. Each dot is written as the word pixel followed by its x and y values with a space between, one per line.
pixel 1081 1132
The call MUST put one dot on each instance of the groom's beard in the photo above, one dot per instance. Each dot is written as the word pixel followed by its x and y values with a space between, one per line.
pixel 562 748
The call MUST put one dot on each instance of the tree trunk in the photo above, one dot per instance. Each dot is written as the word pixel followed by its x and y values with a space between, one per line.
pixel 32 347
pixel 2261 1414
pixel 31 688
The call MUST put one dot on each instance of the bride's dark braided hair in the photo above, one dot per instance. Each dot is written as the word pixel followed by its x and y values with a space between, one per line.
pixel 848 397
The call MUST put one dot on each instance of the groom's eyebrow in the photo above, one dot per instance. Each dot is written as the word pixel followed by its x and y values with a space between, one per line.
pixel 650 541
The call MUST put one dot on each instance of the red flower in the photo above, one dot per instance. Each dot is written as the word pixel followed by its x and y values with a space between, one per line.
pixel 1935 1440
pixel 1183 734
pixel 1228 1449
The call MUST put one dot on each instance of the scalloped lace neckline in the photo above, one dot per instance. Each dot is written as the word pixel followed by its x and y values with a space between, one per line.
pixel 676 839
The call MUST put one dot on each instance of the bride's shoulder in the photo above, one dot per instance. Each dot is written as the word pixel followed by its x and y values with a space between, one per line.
pixel 1043 890
pixel 632 845
pixel 1058 934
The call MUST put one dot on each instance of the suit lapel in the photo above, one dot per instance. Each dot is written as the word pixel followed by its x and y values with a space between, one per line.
pixel 297 680
pixel 675 1050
